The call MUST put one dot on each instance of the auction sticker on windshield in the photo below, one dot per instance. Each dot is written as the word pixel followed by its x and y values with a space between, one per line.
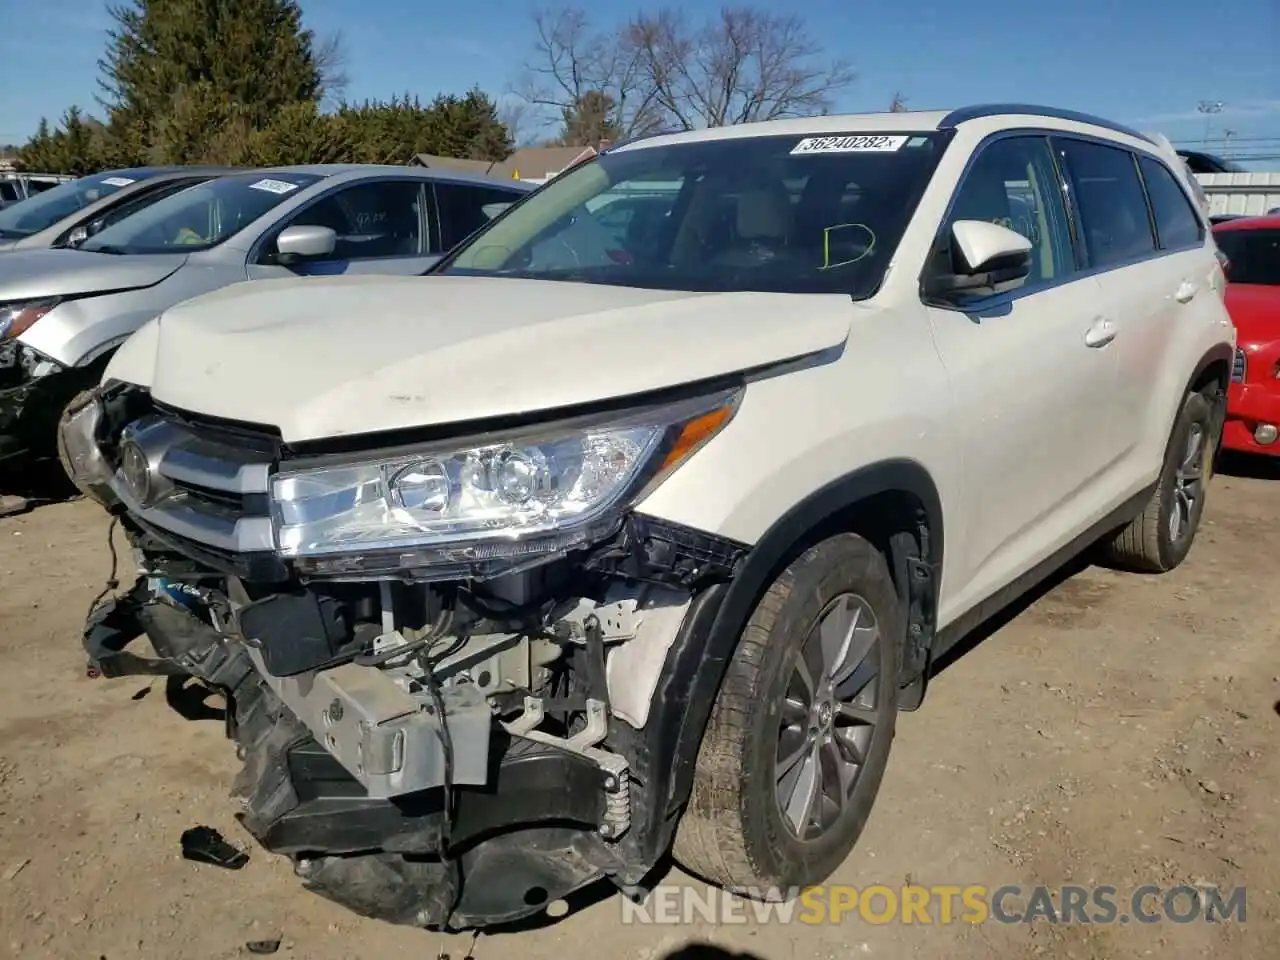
pixel 273 186
pixel 117 181
pixel 849 144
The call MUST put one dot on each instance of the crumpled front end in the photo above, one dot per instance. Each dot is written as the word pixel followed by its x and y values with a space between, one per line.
pixel 32 391
pixel 461 672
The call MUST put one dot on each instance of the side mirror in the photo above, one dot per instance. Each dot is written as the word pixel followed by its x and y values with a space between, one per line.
pixel 305 242
pixel 491 210
pixel 985 259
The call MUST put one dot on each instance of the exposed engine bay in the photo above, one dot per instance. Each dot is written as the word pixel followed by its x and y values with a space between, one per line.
pixel 437 752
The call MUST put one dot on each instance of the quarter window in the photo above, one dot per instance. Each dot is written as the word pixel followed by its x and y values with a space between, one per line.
pixel 1114 222
pixel 1013 182
pixel 1177 223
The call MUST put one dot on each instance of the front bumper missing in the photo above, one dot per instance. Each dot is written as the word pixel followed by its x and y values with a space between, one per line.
pixel 532 833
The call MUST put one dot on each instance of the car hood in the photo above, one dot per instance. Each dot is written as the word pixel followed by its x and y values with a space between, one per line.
pixel 1255 312
pixel 321 358
pixel 32 274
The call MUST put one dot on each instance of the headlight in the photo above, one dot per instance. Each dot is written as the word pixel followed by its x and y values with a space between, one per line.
pixel 524 494
pixel 82 456
pixel 17 318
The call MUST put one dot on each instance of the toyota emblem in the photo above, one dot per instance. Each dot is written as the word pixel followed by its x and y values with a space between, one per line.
pixel 136 470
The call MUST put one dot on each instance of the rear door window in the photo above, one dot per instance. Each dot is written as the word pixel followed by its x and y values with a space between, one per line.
pixel 1114 222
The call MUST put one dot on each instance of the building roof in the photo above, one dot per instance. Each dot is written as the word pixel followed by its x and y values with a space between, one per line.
pixel 532 163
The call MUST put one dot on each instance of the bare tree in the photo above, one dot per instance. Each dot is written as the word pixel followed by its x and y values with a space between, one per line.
pixel 514 115
pixel 331 62
pixel 571 60
pixel 663 71
pixel 898 104
pixel 746 65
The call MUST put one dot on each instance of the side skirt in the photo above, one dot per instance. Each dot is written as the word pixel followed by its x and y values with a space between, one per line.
pixel 950 635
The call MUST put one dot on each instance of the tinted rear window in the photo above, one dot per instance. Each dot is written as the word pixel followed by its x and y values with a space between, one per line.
pixel 1254 255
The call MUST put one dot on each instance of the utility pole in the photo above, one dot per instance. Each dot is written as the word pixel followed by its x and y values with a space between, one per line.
pixel 1209 108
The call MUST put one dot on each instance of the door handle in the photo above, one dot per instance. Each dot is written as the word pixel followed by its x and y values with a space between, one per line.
pixel 1186 292
pixel 1102 332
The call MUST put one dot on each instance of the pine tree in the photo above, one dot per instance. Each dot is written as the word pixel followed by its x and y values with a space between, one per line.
pixel 252 57
pixel 592 120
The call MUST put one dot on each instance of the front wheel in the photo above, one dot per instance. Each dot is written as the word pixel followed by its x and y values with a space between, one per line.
pixel 799 735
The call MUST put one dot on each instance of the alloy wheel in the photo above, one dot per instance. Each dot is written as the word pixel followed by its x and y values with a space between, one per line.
pixel 829 716
pixel 1188 484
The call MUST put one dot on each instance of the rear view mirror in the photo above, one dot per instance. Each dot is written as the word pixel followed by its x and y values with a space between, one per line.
pixel 985 259
pixel 305 242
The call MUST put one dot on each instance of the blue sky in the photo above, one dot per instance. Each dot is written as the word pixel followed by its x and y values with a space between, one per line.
pixel 1146 62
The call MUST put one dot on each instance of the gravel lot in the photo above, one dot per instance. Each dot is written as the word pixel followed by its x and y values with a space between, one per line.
pixel 1120 730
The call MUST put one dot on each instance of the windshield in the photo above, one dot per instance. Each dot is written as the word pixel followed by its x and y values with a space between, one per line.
pixel 1254 255
pixel 200 217
pixel 46 208
pixel 790 214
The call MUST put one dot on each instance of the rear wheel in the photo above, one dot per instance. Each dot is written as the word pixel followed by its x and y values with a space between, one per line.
pixel 799 736
pixel 1159 538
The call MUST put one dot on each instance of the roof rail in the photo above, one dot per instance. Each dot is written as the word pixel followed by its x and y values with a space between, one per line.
pixel 977 112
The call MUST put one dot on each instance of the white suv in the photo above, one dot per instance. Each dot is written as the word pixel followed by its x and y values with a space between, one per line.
pixel 635 524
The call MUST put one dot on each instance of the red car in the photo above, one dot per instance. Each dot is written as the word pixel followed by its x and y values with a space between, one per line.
pixel 1252 248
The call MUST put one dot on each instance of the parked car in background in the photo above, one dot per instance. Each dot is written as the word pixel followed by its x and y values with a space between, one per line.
pixel 1252 248
pixel 70 213
pixel 64 311
pixel 9 193
pixel 16 186
pixel 1198 161
pixel 604 541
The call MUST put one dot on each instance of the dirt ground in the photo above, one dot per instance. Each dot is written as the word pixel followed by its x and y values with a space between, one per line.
pixel 1120 730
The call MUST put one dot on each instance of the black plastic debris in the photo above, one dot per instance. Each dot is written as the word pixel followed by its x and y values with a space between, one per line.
pixel 263 946
pixel 205 845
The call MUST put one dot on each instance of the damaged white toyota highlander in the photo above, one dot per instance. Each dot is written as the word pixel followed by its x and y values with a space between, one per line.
pixel 633 526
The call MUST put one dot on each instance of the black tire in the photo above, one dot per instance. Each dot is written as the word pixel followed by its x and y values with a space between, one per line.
pixel 1148 544
pixel 734 832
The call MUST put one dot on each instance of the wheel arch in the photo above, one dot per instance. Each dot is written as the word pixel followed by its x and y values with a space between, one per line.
pixel 1215 365
pixel 1212 377
pixel 894 503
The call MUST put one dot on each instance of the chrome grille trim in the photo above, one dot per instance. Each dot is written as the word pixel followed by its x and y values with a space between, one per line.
pixel 205 488
pixel 186 517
